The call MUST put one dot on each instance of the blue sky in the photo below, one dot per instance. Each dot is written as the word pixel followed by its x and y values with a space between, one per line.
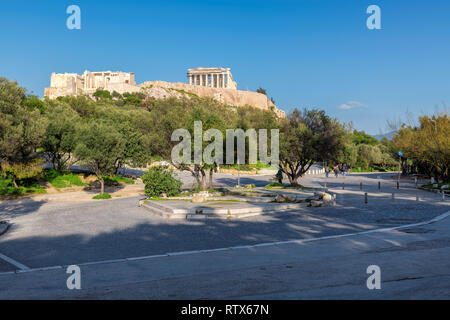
pixel 312 53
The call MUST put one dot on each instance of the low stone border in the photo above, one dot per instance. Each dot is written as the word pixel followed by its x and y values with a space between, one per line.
pixel 164 210
pixel 4 226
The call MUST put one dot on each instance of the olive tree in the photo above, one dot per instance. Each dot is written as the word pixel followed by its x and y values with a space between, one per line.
pixel 308 137
pixel 98 146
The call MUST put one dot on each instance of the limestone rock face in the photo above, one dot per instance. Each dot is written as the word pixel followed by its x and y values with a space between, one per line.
pixel 232 97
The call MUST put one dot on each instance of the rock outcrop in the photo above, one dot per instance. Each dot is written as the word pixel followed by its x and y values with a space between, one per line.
pixel 232 97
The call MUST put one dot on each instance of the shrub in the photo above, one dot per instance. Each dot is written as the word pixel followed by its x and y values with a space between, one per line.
pixel 103 196
pixel 160 180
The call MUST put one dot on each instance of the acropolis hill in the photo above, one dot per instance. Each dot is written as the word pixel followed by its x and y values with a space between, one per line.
pixel 215 83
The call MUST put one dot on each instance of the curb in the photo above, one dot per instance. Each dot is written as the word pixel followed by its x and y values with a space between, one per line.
pixel 218 212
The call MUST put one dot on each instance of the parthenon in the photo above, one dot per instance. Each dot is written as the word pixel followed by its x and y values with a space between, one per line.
pixel 211 77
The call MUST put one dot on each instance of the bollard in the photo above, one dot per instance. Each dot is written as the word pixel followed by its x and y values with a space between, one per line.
pixel 417 196
pixel 398 185
pixel 360 186
pixel 393 196
pixel 379 186
pixel 343 186
pixel 415 181
pixel 366 198
pixel 443 195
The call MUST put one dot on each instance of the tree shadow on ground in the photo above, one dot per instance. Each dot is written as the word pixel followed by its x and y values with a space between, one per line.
pixel 15 208
pixel 135 232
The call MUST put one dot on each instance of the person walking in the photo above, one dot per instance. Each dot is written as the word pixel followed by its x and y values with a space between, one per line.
pixel 279 176
pixel 336 171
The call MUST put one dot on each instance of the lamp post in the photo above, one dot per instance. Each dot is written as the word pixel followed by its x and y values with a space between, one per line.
pixel 400 154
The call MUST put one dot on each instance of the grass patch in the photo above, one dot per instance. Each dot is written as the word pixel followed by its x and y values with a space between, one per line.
pixel 117 180
pixel 277 185
pixel 26 187
pixel 104 196
pixel 59 181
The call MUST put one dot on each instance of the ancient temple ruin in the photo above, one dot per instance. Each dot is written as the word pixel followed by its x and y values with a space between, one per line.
pixel 211 77
pixel 72 84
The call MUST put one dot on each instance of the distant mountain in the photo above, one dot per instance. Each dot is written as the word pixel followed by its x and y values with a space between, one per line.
pixel 388 135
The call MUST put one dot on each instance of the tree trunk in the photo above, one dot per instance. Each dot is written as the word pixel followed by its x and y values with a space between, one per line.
pixel 15 183
pixel 203 181
pixel 211 172
pixel 102 186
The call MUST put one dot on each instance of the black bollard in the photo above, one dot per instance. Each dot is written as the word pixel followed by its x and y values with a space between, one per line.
pixel 366 198
pixel 360 186
pixel 398 185
pixel 379 186
pixel 343 186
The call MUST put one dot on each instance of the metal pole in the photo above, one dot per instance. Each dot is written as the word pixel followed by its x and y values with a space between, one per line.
pixel 379 186
pixel 360 186
pixel 398 185
pixel 239 173
pixel 366 198
pixel 343 186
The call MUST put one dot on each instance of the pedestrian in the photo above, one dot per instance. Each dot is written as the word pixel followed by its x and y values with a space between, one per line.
pixel 279 176
pixel 327 171
pixel 336 171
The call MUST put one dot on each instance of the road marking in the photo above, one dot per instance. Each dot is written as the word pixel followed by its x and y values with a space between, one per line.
pixel 277 243
pixel 14 262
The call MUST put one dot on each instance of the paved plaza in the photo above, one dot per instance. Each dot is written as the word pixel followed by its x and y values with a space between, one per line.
pixel 115 243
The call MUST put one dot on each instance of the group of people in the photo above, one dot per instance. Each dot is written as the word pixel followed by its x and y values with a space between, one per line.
pixel 341 168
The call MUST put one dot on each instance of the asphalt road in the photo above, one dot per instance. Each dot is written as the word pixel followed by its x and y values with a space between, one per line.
pixel 64 233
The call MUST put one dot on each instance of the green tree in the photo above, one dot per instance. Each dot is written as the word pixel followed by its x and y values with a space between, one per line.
pixel 60 138
pixel 21 131
pixel 102 95
pixel 99 144
pixel 308 137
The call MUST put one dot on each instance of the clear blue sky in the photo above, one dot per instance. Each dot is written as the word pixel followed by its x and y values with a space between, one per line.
pixel 315 53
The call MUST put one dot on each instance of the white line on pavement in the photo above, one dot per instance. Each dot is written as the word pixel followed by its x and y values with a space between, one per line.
pixel 14 262
pixel 277 243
